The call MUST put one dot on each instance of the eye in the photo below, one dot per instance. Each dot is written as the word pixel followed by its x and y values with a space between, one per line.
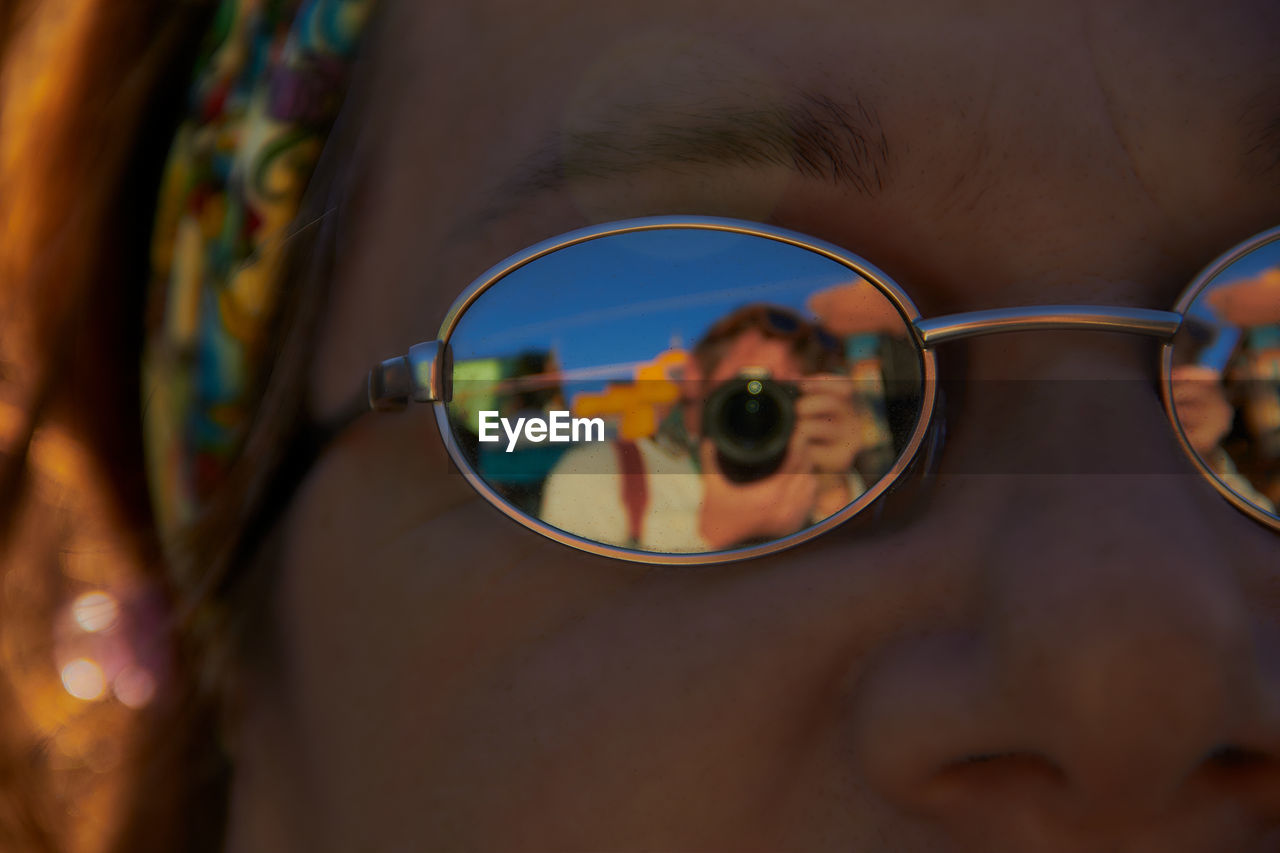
pixel 1222 376
pixel 581 406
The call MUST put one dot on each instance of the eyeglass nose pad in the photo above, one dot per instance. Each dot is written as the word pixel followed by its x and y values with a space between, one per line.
pixel 931 447
pixel 909 496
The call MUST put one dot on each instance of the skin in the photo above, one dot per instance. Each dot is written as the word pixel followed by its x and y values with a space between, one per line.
pixel 1202 406
pixel 822 443
pixel 1038 661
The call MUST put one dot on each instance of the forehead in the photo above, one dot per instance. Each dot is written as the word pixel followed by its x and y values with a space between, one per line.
pixel 984 153
pixel 1041 78
pixel 752 349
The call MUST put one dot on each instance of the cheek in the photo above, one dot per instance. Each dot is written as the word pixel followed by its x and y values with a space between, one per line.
pixel 399 583
pixel 446 665
pixel 403 596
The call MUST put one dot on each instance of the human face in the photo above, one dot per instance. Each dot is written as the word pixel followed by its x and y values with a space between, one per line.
pixel 749 351
pixel 1034 661
pixel 755 351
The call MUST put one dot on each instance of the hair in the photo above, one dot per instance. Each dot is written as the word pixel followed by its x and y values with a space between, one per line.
pixel 90 94
pixel 815 348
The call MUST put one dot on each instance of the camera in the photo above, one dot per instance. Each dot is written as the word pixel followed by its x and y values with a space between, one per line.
pixel 750 419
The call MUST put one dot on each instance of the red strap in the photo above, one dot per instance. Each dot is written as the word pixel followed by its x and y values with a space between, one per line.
pixel 635 486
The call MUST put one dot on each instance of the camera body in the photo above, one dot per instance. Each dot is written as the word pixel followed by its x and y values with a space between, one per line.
pixel 750 419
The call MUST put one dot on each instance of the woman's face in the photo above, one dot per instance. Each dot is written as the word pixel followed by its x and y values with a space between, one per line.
pixel 1033 660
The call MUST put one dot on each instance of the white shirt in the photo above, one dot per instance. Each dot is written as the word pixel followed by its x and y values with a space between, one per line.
pixel 583 495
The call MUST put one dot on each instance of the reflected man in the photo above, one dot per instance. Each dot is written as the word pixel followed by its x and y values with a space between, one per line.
pixel 762 445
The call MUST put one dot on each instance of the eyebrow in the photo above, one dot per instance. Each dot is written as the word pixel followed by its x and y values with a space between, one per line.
pixel 810 134
pixel 1260 121
pixel 1263 152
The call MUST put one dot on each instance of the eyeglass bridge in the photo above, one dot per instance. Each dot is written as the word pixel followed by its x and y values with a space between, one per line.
pixel 1138 321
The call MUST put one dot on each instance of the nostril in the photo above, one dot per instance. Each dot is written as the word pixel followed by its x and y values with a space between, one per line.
pixel 1005 760
pixel 983 758
pixel 1242 772
pixel 1241 768
pixel 1229 757
pixel 983 789
pixel 1000 769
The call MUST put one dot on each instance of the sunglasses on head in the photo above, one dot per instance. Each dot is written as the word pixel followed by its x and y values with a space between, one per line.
pixel 557 384
pixel 776 322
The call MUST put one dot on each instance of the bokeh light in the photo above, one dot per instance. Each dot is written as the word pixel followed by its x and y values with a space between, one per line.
pixel 95 611
pixel 134 687
pixel 83 679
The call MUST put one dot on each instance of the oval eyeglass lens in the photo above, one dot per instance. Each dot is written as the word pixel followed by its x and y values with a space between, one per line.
pixel 682 389
pixel 1225 387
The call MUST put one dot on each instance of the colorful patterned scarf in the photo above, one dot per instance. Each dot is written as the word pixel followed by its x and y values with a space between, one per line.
pixel 267 91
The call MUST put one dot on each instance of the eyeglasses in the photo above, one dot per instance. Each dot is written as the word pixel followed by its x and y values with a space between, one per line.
pixel 576 388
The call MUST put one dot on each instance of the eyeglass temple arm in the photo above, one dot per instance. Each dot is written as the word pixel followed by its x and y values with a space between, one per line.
pixel 1137 321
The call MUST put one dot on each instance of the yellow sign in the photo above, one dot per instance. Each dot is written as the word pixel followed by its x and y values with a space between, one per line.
pixel 639 405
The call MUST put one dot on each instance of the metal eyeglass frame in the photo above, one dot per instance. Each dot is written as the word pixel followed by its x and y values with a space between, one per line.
pixel 424 374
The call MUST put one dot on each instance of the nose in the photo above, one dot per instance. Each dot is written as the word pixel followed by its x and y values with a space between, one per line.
pixel 1106 673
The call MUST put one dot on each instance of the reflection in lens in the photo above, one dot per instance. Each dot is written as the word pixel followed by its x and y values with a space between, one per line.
pixel 751 425
pixel 682 390
pixel 1225 380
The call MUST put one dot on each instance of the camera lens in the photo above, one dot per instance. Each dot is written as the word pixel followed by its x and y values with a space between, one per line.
pixel 750 421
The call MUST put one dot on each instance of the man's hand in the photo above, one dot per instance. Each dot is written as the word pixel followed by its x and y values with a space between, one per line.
pixel 856 307
pixel 1201 406
pixel 828 423
pixel 1250 302
pixel 775 506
